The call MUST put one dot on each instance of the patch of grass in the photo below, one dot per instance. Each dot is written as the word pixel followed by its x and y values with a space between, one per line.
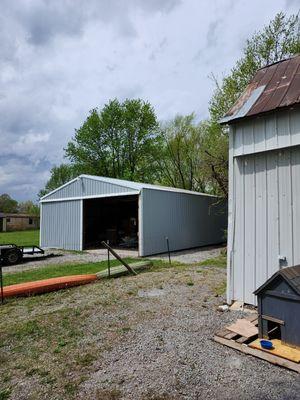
pixel 112 394
pixel 190 283
pixel 220 261
pixel 21 238
pixel 221 289
pixel 159 265
pixel 85 360
pixel 125 329
pixel 4 394
pixel 28 328
pixel 71 388
pixel 53 271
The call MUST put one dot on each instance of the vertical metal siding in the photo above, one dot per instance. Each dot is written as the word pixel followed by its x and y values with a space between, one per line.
pixel 61 225
pixel 267 217
pixel 270 132
pixel 188 221
pixel 88 187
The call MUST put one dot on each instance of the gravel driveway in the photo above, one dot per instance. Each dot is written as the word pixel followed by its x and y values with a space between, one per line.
pixel 134 338
pixel 173 356
pixel 56 257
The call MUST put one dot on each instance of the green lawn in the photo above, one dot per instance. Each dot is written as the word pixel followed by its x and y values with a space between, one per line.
pixel 220 261
pixel 21 238
pixel 53 271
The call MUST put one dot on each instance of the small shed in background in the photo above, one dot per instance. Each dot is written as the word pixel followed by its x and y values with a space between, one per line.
pixel 89 209
pixel 279 307
pixel 18 222
pixel 264 179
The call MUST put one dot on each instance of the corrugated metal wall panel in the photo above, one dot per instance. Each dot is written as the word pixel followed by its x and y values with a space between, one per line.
pixel 239 234
pixel 61 225
pixel 249 244
pixel 260 219
pixel 259 135
pixel 273 213
pixel 87 187
pixel 267 217
pixel 285 205
pixel 269 132
pixel 188 221
pixel 295 127
pixel 296 203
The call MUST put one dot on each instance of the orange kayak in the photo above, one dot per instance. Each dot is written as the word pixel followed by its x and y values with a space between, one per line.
pixel 47 285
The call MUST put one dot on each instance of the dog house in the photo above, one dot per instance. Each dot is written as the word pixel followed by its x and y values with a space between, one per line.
pixel 279 307
pixel 89 209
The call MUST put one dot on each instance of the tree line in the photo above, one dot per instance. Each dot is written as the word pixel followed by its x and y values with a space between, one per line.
pixel 125 140
pixel 10 205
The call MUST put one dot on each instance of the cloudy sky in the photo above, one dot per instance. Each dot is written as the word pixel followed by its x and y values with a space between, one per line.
pixel 60 58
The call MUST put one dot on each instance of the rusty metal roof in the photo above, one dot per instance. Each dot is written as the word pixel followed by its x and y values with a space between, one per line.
pixel 290 274
pixel 273 87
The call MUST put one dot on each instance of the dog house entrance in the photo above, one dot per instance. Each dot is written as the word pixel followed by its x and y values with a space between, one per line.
pixel 113 219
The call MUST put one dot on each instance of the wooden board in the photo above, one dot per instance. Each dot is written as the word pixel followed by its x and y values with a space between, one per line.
pixel 259 353
pixel 121 270
pixel 280 350
pixel 252 318
pixel 244 328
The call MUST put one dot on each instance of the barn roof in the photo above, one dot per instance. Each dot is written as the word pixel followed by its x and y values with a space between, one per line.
pixel 289 274
pixel 133 187
pixel 273 87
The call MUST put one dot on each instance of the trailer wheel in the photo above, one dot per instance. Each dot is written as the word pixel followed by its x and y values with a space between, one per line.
pixel 12 257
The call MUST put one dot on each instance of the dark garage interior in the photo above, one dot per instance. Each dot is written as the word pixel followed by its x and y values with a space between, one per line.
pixel 113 219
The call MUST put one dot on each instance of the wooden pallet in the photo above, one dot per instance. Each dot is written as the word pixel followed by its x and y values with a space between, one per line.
pixel 242 343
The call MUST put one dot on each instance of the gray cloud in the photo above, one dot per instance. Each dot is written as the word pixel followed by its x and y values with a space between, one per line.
pixel 60 58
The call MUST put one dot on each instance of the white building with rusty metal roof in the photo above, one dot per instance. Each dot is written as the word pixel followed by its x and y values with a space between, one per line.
pixel 264 179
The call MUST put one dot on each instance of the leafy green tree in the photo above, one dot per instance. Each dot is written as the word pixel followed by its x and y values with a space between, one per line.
pixel 277 41
pixel 7 204
pixel 119 141
pixel 214 158
pixel 59 175
pixel 180 162
pixel 29 207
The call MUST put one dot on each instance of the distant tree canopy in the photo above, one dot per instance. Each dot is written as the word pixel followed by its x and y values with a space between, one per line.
pixel 124 139
pixel 59 175
pixel 180 161
pixel 119 141
pixel 28 207
pixel 7 204
pixel 275 42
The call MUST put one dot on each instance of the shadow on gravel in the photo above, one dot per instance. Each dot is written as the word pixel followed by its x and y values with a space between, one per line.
pixel 39 258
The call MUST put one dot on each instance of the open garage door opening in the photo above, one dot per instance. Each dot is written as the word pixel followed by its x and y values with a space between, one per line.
pixel 113 219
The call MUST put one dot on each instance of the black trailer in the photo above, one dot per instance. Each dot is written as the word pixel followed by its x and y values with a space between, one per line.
pixel 11 254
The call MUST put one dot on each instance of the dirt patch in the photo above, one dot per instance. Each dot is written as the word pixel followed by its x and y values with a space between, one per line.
pixel 106 341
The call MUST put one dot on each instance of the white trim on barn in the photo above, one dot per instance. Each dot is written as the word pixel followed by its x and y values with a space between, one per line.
pixel 96 196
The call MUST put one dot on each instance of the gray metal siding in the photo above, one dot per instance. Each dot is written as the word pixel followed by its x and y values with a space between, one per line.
pixel 88 187
pixel 270 132
pixel 266 208
pixel 188 221
pixel 61 225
